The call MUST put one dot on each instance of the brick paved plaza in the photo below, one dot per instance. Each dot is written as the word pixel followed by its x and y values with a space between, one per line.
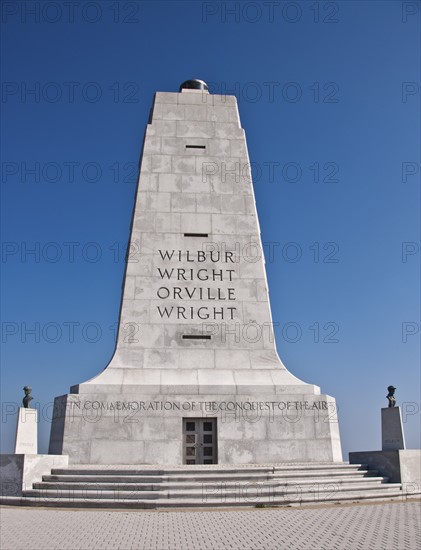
pixel 394 525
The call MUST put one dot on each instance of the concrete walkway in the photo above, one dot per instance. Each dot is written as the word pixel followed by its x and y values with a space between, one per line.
pixel 392 525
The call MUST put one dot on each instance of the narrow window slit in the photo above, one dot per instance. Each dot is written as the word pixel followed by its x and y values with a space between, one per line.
pixel 196 234
pixel 196 337
pixel 195 146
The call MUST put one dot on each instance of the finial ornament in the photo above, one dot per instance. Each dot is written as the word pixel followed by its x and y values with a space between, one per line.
pixel 28 397
pixel 391 396
pixel 194 84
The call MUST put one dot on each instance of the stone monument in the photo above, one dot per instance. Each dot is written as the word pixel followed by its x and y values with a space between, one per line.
pixel 399 464
pixel 393 437
pixel 19 470
pixel 27 426
pixel 195 377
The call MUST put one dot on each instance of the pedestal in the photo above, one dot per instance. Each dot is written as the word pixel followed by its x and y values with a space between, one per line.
pixel 393 438
pixel 27 432
pixel 253 428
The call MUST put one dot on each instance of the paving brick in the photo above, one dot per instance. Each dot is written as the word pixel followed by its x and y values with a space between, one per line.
pixel 362 527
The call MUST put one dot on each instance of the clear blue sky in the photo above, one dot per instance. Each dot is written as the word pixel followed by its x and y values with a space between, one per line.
pixel 329 98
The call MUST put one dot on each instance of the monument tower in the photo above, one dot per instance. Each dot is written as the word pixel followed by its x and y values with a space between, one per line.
pixel 195 377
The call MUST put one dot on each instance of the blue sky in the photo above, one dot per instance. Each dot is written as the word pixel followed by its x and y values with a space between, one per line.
pixel 329 97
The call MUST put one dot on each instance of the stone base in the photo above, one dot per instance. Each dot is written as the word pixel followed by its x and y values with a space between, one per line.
pixel 19 471
pixel 27 431
pixel 400 466
pixel 252 428
pixel 393 437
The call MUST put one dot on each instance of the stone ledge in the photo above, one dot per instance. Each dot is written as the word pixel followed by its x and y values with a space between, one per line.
pixel 19 471
pixel 400 466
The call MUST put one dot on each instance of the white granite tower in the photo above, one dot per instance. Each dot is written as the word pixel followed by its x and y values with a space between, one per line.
pixel 195 377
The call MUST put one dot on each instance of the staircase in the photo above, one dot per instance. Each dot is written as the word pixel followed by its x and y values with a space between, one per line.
pixel 207 486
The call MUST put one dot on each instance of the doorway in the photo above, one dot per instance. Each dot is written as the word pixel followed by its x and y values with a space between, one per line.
pixel 199 441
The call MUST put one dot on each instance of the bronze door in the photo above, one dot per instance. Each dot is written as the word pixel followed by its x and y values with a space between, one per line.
pixel 199 441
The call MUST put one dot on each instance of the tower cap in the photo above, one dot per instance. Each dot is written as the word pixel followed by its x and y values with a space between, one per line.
pixel 194 84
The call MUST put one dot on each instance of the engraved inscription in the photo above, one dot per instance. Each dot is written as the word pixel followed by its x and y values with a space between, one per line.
pixel 173 290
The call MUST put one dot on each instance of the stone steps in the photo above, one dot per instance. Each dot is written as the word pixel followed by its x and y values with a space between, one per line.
pixel 331 468
pixel 131 475
pixel 206 492
pixel 134 484
pixel 346 496
pixel 198 478
pixel 207 486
